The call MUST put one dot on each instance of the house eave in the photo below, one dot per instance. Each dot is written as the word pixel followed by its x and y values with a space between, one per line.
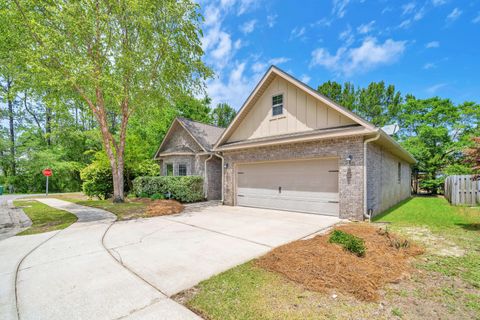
pixel 310 136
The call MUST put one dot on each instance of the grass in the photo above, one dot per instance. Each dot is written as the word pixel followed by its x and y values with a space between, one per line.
pixel 446 286
pixel 44 218
pixel 123 211
pixel 433 212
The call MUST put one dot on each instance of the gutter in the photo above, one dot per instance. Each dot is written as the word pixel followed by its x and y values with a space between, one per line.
pixel 206 176
pixel 365 209
pixel 223 172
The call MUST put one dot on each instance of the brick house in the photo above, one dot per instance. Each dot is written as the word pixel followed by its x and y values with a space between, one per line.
pixel 291 148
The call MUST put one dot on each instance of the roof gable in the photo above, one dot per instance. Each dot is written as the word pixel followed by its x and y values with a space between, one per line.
pixel 187 136
pixel 304 110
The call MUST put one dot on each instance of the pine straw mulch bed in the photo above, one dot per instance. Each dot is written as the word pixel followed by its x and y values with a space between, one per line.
pixel 323 266
pixel 160 207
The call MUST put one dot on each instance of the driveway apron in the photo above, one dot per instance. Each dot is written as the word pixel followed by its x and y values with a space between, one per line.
pixel 73 276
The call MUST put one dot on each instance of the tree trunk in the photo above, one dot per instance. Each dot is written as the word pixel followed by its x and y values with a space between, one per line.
pixel 13 166
pixel 48 124
pixel 118 182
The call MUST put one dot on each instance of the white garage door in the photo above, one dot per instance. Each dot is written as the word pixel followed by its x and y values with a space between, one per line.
pixel 304 185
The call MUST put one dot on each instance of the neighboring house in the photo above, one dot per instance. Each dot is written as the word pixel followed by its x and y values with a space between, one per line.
pixel 187 150
pixel 291 148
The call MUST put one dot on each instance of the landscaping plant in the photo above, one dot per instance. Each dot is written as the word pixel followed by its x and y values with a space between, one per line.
pixel 348 241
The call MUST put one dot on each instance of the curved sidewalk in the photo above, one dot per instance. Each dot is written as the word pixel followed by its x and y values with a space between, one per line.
pixel 72 276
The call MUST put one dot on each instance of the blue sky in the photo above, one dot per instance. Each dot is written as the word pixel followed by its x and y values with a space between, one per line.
pixel 426 48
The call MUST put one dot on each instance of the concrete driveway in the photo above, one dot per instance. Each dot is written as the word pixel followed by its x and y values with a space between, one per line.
pixel 176 252
pixel 101 269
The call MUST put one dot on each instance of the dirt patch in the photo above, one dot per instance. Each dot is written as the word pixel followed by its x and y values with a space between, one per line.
pixel 323 266
pixel 160 207
pixel 434 244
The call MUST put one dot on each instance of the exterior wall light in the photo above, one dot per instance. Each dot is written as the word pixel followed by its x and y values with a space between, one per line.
pixel 349 159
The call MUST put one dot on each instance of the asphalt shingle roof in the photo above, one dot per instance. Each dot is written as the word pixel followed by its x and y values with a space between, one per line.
pixel 207 135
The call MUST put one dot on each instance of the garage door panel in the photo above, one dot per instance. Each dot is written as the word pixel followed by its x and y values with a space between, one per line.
pixel 306 185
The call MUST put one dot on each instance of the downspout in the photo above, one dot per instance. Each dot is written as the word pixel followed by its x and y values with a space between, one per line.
pixel 365 209
pixel 206 176
pixel 223 171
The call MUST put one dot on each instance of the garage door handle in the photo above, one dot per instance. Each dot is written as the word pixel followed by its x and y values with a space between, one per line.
pixel 332 201
pixel 240 195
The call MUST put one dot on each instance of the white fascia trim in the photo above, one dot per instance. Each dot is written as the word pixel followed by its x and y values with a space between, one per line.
pixel 350 133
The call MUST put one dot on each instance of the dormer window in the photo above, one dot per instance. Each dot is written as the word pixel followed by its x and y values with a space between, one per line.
pixel 277 105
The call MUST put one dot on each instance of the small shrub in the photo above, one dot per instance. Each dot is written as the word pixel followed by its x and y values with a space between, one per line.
pixel 157 196
pixel 181 188
pixel 142 195
pixel 349 242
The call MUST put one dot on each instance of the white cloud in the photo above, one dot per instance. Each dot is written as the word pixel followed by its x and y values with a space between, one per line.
pixel 434 89
pixel 454 15
pixel 437 3
pixel 367 56
pixel 271 20
pixel 386 9
pixel 324 22
pixel 236 86
pixel 419 14
pixel 405 23
pixel 429 65
pixel 305 78
pixel 408 8
pixel 432 44
pixel 476 19
pixel 365 28
pixel 297 32
pixel 211 15
pixel 248 26
pixel 223 48
pixel 259 67
pixel 245 5
pixel 279 60
pixel 346 36
pixel 340 7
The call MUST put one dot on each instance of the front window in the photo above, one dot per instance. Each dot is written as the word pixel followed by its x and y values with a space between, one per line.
pixel 169 169
pixel 182 169
pixel 277 105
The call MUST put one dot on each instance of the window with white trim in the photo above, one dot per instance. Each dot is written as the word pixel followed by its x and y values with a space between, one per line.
pixel 277 105
pixel 182 169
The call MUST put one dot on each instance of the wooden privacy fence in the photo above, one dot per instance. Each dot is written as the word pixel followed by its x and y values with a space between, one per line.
pixel 462 190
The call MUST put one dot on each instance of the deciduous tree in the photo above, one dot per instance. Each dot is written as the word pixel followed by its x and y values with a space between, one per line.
pixel 114 56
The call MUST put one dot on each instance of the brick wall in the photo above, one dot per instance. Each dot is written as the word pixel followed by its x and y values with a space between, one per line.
pixel 350 176
pixel 383 187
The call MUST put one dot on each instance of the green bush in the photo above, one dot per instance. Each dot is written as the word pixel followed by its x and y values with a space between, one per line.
pixel 349 242
pixel 182 188
pixel 157 196
pixel 97 180
pixel 97 176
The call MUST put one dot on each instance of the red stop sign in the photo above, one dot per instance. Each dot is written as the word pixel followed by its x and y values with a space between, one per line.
pixel 47 172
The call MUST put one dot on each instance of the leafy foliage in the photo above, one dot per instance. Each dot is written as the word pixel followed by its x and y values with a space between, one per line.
pixel 223 115
pixel 181 188
pixel 348 241
pixel 378 103
pixel 97 177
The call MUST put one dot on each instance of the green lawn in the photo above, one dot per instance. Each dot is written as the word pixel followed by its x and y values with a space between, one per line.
pixel 123 211
pixel 446 286
pixel 433 212
pixel 44 218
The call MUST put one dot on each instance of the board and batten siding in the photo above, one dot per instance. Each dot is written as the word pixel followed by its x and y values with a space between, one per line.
pixel 301 112
pixel 462 190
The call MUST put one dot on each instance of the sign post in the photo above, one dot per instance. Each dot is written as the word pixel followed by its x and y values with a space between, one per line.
pixel 47 173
